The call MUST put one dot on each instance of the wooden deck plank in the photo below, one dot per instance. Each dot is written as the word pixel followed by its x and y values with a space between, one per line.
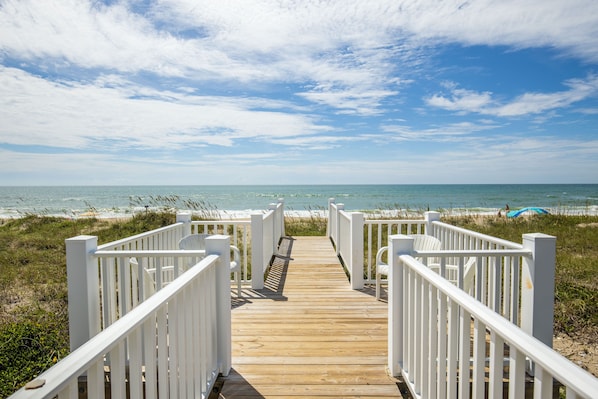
pixel 307 334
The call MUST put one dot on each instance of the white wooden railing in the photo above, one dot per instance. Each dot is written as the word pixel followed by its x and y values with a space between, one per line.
pixel 503 269
pixel 116 289
pixel 349 229
pixel 346 230
pixel 507 294
pixel 266 231
pixel 173 344
pixel 257 238
pixel 442 340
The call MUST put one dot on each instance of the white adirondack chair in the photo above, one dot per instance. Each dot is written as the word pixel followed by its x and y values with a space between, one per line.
pixel 421 242
pixel 146 279
pixel 198 242
pixel 452 273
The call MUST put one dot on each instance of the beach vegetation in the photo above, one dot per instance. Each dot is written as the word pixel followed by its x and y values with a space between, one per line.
pixel 169 204
pixel 33 291
pixel 312 225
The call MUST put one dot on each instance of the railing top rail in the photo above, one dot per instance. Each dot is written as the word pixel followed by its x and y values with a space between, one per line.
pixel 268 214
pixel 345 214
pixel 81 359
pixel 138 236
pixel 394 221
pixel 494 240
pixel 229 221
pixel 153 252
pixel 573 377
pixel 476 252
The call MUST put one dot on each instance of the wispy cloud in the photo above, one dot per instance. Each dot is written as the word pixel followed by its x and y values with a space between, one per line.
pixel 77 115
pixel 463 100
pixel 450 132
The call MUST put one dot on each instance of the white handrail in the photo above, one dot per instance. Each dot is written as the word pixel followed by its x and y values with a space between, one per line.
pixel 460 238
pixel 157 238
pixel 437 325
pixel 182 324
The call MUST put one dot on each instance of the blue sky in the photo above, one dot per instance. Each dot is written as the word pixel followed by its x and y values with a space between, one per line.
pixel 298 92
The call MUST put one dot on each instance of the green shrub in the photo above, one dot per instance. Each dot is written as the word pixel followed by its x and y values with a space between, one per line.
pixel 29 346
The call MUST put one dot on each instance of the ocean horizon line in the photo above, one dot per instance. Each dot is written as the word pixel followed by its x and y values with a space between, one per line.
pixel 122 201
pixel 295 185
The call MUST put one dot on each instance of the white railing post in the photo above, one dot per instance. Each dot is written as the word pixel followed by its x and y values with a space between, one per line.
pixel 537 287
pixel 281 202
pixel 339 209
pixel 185 218
pixel 328 224
pixel 83 289
pixel 431 217
pixel 357 250
pixel 398 244
pixel 220 245
pixel 257 251
pixel 275 227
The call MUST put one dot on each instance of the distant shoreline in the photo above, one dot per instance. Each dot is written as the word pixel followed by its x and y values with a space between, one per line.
pixel 373 213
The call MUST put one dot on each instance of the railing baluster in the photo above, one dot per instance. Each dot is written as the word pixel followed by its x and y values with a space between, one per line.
pixel 443 327
pixel 464 353
pixel 542 383
pixel 173 360
pixel 117 371
pixel 479 357
pixel 516 373
pixel 135 364
pixel 515 278
pixel 453 350
pixel 425 338
pixel 163 362
pixel 495 376
pixel 150 353
pixel 433 327
pixel 70 391
pixel 95 380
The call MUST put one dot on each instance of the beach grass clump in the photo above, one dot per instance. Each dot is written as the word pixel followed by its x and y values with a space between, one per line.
pixel 312 225
pixel 170 204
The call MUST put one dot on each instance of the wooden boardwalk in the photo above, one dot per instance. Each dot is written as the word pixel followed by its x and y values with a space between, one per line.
pixel 307 334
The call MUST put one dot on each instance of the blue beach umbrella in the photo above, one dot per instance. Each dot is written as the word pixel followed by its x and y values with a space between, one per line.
pixel 539 211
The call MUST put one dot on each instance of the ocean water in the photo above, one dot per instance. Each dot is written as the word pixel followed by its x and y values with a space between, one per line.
pixel 241 201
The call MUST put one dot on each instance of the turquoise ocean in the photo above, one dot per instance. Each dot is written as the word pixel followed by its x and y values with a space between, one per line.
pixel 241 201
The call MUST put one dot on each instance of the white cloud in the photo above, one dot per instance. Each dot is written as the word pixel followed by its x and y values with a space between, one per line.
pixel 450 132
pixel 463 100
pixel 565 25
pixel 350 50
pixel 35 111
